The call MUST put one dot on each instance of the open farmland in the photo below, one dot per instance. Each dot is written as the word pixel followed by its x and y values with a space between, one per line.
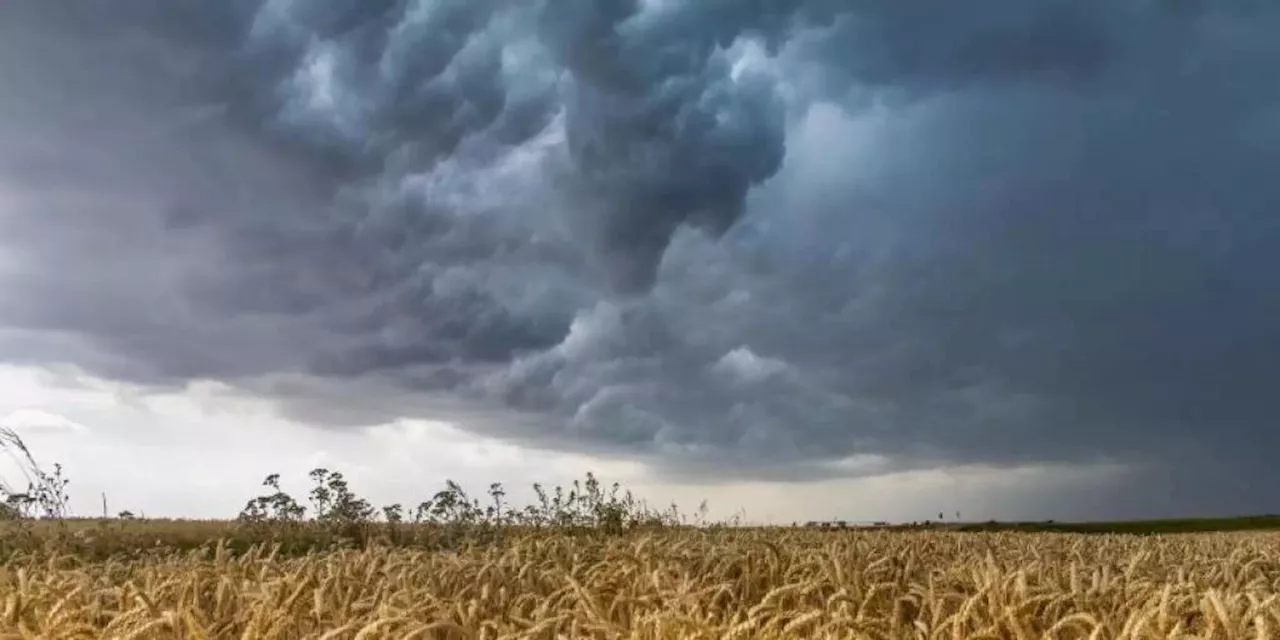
pixel 594 562
pixel 674 583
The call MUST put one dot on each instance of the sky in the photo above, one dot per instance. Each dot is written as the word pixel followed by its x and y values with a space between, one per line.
pixel 809 258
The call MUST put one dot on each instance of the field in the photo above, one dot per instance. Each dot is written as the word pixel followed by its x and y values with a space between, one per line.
pixel 590 562
pixel 1139 527
pixel 97 580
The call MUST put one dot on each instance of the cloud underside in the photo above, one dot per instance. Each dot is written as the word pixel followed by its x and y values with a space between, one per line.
pixel 789 240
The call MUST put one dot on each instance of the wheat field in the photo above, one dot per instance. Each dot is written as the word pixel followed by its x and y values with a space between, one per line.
pixel 763 583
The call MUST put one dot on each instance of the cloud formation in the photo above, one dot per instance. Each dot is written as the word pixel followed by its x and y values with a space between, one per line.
pixel 731 239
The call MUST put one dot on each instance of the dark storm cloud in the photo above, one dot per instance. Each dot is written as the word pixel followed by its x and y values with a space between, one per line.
pixel 291 147
pixel 922 233
pixel 659 132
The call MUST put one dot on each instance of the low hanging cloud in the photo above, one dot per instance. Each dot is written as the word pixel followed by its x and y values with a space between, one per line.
pixel 731 239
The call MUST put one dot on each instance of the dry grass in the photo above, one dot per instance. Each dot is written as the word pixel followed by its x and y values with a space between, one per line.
pixel 681 584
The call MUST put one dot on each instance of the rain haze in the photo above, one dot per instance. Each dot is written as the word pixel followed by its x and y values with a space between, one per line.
pixel 812 258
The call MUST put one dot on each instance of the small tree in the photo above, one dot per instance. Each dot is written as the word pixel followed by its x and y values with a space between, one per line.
pixel 339 509
pixel 276 507
pixel 334 501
